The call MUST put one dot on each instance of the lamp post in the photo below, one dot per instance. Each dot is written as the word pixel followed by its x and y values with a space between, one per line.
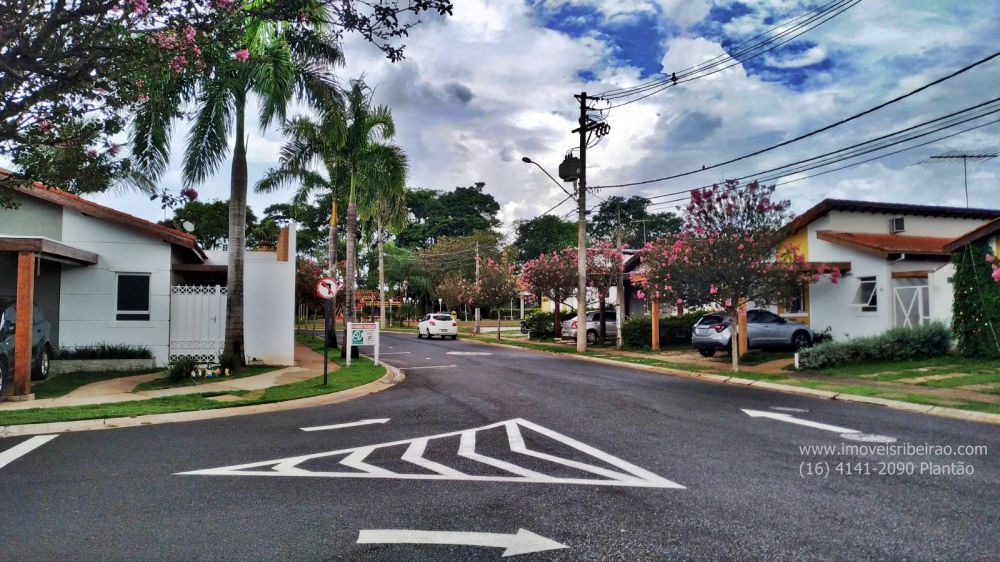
pixel 440 303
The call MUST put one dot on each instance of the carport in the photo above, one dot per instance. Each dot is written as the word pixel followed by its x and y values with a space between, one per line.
pixel 29 251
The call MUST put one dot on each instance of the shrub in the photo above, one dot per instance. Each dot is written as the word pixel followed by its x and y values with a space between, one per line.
pixel 674 330
pixel 106 351
pixel 898 344
pixel 540 325
pixel 976 308
pixel 180 370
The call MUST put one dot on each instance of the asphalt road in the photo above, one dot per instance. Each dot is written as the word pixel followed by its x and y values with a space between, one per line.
pixel 618 465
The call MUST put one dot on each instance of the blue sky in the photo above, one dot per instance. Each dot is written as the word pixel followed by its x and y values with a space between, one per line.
pixel 495 82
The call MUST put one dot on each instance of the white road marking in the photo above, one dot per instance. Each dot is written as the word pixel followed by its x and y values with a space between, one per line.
pixel 395 353
pixel 340 425
pixel 430 367
pixel 469 353
pixel 522 542
pixel 790 419
pixel 23 448
pixel 626 474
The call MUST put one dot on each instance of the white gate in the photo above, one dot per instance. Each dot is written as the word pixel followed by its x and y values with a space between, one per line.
pixel 911 302
pixel 197 322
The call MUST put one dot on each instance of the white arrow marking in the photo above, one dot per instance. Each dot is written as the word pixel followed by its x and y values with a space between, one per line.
pixel 430 367
pixel 791 419
pixel 23 448
pixel 340 425
pixel 522 542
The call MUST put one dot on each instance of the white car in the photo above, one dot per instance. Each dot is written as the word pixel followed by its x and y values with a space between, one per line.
pixel 439 324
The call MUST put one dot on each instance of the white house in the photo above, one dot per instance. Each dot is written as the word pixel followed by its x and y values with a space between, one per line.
pixel 103 276
pixel 895 259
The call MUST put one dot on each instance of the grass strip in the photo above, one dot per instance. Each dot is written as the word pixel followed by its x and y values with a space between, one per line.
pixel 61 385
pixel 164 382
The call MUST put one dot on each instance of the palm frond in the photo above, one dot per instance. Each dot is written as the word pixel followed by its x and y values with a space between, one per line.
pixel 208 140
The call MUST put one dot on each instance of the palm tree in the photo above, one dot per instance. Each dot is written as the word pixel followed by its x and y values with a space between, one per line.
pixel 376 170
pixel 386 206
pixel 284 63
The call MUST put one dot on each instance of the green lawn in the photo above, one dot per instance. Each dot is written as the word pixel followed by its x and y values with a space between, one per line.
pixel 61 385
pixel 248 371
pixel 359 373
pixel 917 367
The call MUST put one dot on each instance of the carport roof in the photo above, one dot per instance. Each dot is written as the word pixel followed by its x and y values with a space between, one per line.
pixel 47 249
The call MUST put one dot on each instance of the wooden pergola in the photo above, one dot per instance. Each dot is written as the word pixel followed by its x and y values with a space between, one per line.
pixel 29 249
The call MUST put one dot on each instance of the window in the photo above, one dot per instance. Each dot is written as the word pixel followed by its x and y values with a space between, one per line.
pixel 762 317
pixel 443 317
pixel 867 295
pixel 796 304
pixel 133 296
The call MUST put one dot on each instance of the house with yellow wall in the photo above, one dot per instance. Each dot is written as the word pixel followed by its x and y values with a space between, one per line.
pixel 895 259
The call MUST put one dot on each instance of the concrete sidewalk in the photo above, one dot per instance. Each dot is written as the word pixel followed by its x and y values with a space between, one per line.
pixel 308 364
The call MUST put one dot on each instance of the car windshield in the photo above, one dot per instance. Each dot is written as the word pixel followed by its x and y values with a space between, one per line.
pixel 442 317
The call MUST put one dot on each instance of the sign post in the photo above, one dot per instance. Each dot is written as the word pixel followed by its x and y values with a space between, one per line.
pixel 362 333
pixel 326 289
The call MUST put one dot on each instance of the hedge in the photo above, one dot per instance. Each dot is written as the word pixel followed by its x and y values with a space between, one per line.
pixel 898 344
pixel 674 330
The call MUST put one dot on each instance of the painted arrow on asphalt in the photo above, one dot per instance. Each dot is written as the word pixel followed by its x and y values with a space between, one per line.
pixel 522 542
pixel 792 419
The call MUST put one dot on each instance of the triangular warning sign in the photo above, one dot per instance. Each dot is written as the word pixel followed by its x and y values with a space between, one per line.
pixel 622 474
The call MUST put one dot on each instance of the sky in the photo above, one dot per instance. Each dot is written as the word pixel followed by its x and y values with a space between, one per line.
pixel 495 82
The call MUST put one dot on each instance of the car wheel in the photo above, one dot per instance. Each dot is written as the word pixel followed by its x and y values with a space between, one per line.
pixel 801 340
pixel 420 334
pixel 41 371
pixel 455 337
pixel 706 352
pixel 591 336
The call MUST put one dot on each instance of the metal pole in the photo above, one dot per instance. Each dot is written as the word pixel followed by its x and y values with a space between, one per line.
pixel 581 258
pixel 620 297
pixel 476 327
pixel 965 171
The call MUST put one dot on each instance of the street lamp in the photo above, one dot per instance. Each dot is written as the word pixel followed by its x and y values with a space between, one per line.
pixel 527 160
pixel 440 302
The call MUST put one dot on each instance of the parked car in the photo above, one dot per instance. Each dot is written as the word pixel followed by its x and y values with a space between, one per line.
pixel 41 345
pixel 765 329
pixel 569 327
pixel 439 324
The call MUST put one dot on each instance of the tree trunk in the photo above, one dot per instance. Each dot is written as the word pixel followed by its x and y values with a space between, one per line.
pixel 557 321
pixel 331 333
pixel 237 240
pixel 352 235
pixel 381 276
pixel 601 302
pixel 499 312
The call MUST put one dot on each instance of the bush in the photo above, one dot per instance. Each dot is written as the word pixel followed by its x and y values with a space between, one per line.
pixel 180 370
pixel 976 308
pixel 105 351
pixel 674 330
pixel 540 325
pixel 898 344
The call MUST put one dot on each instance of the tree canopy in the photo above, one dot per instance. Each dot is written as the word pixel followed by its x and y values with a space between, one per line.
pixel 638 225
pixel 542 235
pixel 460 212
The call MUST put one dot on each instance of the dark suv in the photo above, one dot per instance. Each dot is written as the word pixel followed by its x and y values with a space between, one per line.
pixel 41 345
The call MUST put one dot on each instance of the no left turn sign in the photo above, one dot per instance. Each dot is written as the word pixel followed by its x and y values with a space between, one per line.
pixel 326 288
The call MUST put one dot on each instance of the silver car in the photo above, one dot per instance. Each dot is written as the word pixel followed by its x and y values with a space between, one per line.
pixel 765 329
pixel 569 327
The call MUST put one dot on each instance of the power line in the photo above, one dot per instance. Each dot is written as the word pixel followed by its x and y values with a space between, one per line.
pixel 851 165
pixel 811 133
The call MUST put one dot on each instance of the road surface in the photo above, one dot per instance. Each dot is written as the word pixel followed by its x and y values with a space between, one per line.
pixel 485 451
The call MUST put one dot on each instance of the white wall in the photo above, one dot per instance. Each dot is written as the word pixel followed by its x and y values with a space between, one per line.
pixel 878 223
pixel 268 304
pixel 942 292
pixel 88 300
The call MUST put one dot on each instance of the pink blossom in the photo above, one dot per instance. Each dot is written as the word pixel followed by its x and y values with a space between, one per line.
pixel 177 63
pixel 242 55
pixel 680 301
pixel 91 152
pixel 640 295
pixel 114 148
pixel 222 4
pixel 740 247
pixel 996 274
pixel 44 125
pixel 140 7
pixel 142 98
pixel 712 290
pixel 189 33
pixel 990 258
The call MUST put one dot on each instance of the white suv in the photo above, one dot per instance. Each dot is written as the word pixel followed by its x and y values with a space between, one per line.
pixel 437 325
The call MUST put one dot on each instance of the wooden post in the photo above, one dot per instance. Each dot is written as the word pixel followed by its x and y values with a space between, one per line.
pixel 23 325
pixel 742 320
pixel 655 323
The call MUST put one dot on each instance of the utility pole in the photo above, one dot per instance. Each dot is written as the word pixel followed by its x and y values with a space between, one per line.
pixel 581 227
pixel 619 298
pixel 476 328
pixel 329 329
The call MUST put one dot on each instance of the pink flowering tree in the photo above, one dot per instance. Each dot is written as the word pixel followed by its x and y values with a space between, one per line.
pixel 553 276
pixel 497 285
pixel 604 266
pixel 731 251
pixel 451 289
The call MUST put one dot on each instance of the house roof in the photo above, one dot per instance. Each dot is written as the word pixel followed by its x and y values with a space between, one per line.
pixel 47 249
pixel 974 235
pixel 91 209
pixel 886 244
pixel 828 205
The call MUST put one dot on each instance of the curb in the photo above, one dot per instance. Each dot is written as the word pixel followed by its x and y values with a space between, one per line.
pixel 954 413
pixel 392 377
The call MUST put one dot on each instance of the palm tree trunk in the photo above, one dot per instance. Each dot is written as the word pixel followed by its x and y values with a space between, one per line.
pixel 381 275
pixel 237 240
pixel 352 235
pixel 331 331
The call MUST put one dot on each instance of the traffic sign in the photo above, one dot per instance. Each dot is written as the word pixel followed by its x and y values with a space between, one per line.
pixel 362 333
pixel 326 288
